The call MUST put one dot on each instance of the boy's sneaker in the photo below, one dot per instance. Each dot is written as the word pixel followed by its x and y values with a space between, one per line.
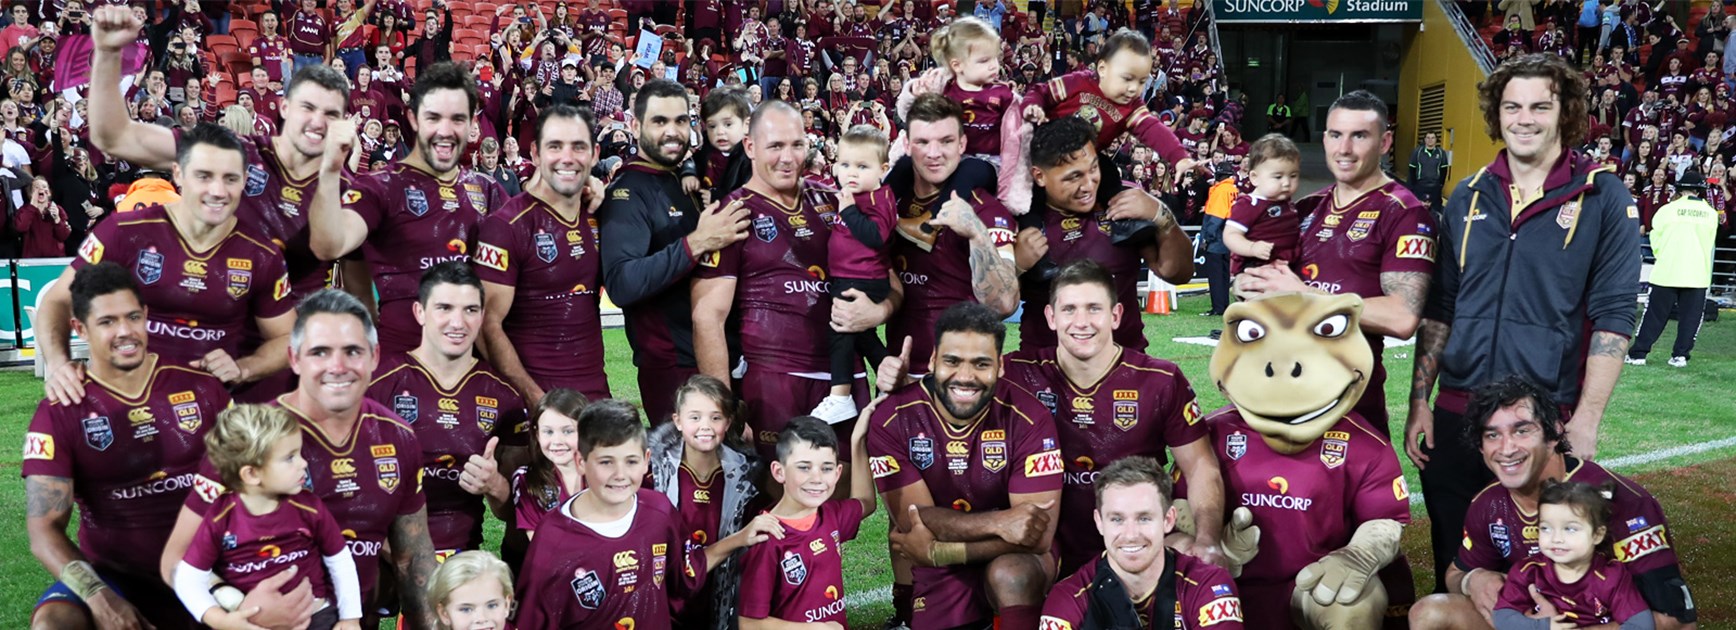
pixel 1678 361
pixel 1632 361
pixel 835 409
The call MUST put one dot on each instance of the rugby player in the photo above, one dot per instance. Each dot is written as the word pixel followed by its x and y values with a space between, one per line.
pixel 470 423
pixel 362 459
pixel 970 470
pixel 126 453
pixel 541 271
pixel 419 212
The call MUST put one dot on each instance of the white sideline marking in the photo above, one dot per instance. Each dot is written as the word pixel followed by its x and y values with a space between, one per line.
pixel 875 597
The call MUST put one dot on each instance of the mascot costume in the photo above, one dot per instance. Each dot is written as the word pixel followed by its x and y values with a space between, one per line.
pixel 1300 466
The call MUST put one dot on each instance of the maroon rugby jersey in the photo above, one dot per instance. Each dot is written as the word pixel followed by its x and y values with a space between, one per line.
pixel 1605 594
pixel 198 301
pixel 1345 250
pixel 780 273
pixel 1079 93
pixel 274 51
pixel 935 269
pixel 699 510
pixel 276 205
pixel 1010 449
pixel 851 258
pixel 451 425
pixel 245 548
pixel 1498 534
pixel 1262 219
pixel 528 509
pixel 1313 500
pixel 308 33
pixel 801 577
pixel 367 481
pixel 415 221
pixel 1078 237
pixel 982 114
pixel 1205 597
pixel 131 459
pixel 1141 406
pixel 556 323
pixel 574 577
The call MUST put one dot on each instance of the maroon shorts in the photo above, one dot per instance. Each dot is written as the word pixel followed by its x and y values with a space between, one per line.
pixel 772 398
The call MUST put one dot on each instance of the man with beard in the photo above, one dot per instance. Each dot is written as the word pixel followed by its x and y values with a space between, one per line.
pixel 653 236
pixel 281 169
pixel 541 273
pixel 1140 583
pixel 361 461
pixel 126 453
pixel 419 212
pixel 1517 428
pixel 971 474
pixel 1111 402
pixel 771 289
pixel 204 273
pixel 469 421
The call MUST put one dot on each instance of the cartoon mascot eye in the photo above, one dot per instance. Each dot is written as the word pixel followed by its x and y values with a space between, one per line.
pixel 1248 331
pixel 1333 326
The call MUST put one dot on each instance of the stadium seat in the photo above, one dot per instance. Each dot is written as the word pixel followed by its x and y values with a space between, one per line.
pixel 221 41
pixel 243 24
pixel 244 39
pixel 479 22
pixel 237 62
pixel 469 36
pixel 226 93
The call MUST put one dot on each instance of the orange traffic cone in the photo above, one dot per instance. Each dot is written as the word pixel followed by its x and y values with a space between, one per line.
pixel 1160 296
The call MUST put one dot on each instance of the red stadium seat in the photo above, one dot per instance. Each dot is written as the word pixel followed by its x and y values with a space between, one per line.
pixel 469 36
pixel 243 24
pixel 221 41
pixel 226 93
pixel 237 62
pixel 479 22
pixel 487 7
pixel 244 39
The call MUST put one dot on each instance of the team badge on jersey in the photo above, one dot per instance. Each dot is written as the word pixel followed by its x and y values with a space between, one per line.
pixel 1048 399
pixel 478 199
pixel 1220 610
pixel 1332 448
pixel 240 277
pixel 38 446
pixel 91 249
pixel 229 541
pixel 405 405
pixel 588 588
pixel 256 180
pixel 417 201
pixel 922 451
pixel 187 413
pixel 150 266
pixel 545 246
pixel 97 433
pixel 765 229
pixel 487 412
pixel 386 468
pixel 795 571
pixel 1360 229
pixel 1567 215
pixel 995 450
pixel 1498 534
pixel 1126 414
pixel 1236 445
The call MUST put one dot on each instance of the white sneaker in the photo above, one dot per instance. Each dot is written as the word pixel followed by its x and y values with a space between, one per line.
pixel 835 409
pixel 1678 361
pixel 1633 361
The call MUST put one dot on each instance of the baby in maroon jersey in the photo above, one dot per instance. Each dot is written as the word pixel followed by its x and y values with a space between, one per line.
pixel 472 590
pixel 968 53
pixel 857 257
pixel 266 526
pixel 1569 582
pixel 800 577
pixel 1263 226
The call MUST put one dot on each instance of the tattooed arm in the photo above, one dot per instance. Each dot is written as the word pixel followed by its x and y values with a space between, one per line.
pixel 1602 366
pixel 1431 342
pixel 1397 312
pixel 49 505
pixel 993 277
pixel 413 552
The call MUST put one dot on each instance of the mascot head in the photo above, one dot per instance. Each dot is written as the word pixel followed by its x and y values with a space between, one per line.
pixel 1293 364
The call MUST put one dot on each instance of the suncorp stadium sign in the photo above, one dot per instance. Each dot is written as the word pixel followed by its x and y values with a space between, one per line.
pixel 1318 10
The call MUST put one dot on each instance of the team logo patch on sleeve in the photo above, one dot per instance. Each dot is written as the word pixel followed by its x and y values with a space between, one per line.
pixel 1416 246
pixel 280 290
pixel 1051 623
pixel 1648 541
pixel 91 249
pixel 491 256
pixel 1043 464
pixel 351 196
pixel 883 466
pixel 1400 491
pixel 207 488
pixel 1190 412
pixel 1220 610
pixel 38 446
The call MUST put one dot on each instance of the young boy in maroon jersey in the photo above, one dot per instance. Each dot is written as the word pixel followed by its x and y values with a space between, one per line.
pixel 800 577
pixel 1571 581
pixel 607 555
pixel 1264 226
pixel 266 523
pixel 857 258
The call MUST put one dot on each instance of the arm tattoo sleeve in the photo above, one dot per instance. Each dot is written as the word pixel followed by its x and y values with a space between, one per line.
pixel 1431 341
pixel 1410 286
pixel 1607 344
pixel 413 553
pixel 995 279
pixel 48 497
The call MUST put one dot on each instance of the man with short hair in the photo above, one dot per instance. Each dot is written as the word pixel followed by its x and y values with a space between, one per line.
pixel 126 453
pixel 1544 269
pixel 1428 171
pixel 652 236
pixel 270 50
pixel 1278 117
pixel 361 459
pixel 419 212
pixel 470 423
pixel 1517 427
pixel 1139 583
pixel 1111 402
pixel 971 472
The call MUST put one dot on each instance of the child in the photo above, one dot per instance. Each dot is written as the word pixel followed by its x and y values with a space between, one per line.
pixel 470 591
pixel 250 534
pixel 1263 226
pixel 719 163
pixel 857 258
pixel 553 474
pixel 968 53
pixel 800 577
pixel 708 473
pixel 613 551
pixel 1582 586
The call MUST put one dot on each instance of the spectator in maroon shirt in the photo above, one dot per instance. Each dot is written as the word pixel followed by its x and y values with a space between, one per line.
pixel 41 223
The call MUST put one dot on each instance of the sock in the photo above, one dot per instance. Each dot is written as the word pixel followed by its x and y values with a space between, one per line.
pixel 903 597
pixel 1018 618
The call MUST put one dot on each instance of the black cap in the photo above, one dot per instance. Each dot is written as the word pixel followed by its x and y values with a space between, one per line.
pixel 1691 179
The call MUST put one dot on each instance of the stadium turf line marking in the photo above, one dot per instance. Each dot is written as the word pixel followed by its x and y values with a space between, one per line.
pixel 874 597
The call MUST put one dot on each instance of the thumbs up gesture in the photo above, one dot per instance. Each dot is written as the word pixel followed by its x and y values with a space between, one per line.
pixel 482 474
pixel 893 372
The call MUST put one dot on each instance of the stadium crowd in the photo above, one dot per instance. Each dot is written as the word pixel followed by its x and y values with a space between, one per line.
pixel 413 210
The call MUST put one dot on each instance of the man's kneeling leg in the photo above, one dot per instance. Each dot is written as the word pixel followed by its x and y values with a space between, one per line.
pixel 1445 611
pixel 1016 584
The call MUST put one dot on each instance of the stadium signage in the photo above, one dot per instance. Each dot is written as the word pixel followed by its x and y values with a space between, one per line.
pixel 1249 11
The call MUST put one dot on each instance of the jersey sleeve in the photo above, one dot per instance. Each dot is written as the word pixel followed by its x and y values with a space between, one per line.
pixel 326 533
pixel 1212 599
pixel 689 564
pixel 759 575
pixel 888 457
pixel 724 263
pixel 45 449
pixel 1064 608
pixel 1155 135
pixel 363 196
pixel 1625 599
pixel 1243 213
pixel 1410 238
pixel 1516 593
pixel 203 550
pixel 406 441
pixel 527 512
pixel 103 243
pixel 274 299
pixel 207 487
pixel 1380 491
pixel 1036 449
pixel 1641 534
pixel 848 515
pixel 513 427
pixel 499 251
pixel 1181 419
pixel 997 219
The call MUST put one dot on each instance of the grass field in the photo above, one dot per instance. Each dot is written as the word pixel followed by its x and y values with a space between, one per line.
pixel 1675 427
